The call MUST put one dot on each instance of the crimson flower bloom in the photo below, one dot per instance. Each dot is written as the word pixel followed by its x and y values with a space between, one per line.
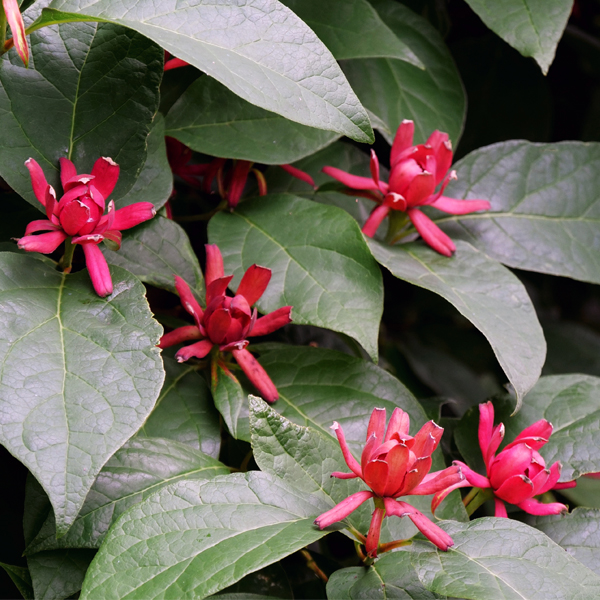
pixel 393 464
pixel 226 322
pixel 15 20
pixel 415 173
pixel 80 214
pixel 519 472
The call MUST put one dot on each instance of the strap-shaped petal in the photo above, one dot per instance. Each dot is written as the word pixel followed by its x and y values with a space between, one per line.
pixel 254 283
pixel 188 300
pixel 376 425
pixel 355 182
pixel 375 219
pixel 216 289
pixel 500 509
pixel 374 532
pixel 473 477
pixel 256 374
pixel 106 174
pixel 239 177
pixel 41 225
pixel 67 171
pixel 510 462
pixel 38 180
pixel 427 439
pixel 431 233
pixel 46 243
pixel 352 463
pixel 132 215
pixel 534 507
pixel 298 174
pixel 399 423
pixel 402 140
pixel 460 207
pixel 515 489
pixel 272 322
pixel 179 335
pixel 214 264
pixel 198 350
pixel 397 460
pixel 342 510
pixel 375 475
pixel 486 426
pixel 403 174
pixel 15 20
pixel 98 269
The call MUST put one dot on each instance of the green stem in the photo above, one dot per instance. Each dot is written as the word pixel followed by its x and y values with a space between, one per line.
pixel 397 223
pixel 2 25
pixel 478 499
pixel 66 261
pixel 474 491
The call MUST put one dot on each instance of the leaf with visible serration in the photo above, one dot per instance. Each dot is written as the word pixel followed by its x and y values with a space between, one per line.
pixel 81 374
pixel 192 539
pixel 320 263
pixel 260 50
pixel 545 206
pixel 483 291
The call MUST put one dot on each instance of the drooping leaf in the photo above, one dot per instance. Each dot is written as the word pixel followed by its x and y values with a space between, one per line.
pixel 578 533
pixel 486 293
pixel 259 50
pixel 321 265
pixel 502 558
pixel 545 208
pixel 395 90
pixel 157 250
pixel 533 27
pixel 230 401
pixel 352 30
pixel 392 576
pixel 58 574
pixel 154 182
pixel 138 469
pixel 184 411
pixel 21 577
pixel 81 374
pixel 192 539
pixel 58 106
pixel 213 120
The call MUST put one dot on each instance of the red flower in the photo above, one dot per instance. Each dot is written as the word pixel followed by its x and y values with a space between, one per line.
pixel 80 214
pixel 393 464
pixel 15 20
pixel 519 472
pixel 415 173
pixel 226 322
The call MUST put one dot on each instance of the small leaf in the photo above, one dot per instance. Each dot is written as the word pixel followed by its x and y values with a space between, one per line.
pixel 533 28
pixel 486 293
pixel 213 120
pixel 321 265
pixel 578 533
pixel 502 558
pixel 192 539
pixel 230 401
pixel 394 90
pixel 262 52
pixel 73 88
pixel 157 250
pixel 81 374
pixel 545 208
pixel 138 469
pixel 184 411
pixel 21 577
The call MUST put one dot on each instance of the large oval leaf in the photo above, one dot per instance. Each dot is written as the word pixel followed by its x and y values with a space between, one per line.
pixel 57 107
pixel 502 558
pixel 192 539
pixel 320 262
pixel 395 90
pixel 534 28
pixel 259 49
pixel 138 469
pixel 80 374
pixel 486 293
pixel 210 119
pixel 545 206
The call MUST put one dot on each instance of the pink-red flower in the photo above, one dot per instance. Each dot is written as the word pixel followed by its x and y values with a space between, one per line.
pixel 79 214
pixel 393 464
pixel 15 20
pixel 226 322
pixel 519 472
pixel 415 173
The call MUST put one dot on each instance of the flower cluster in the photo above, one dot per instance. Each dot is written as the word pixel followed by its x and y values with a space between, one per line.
pixel 415 172
pixel 79 214
pixel 519 472
pixel 393 464
pixel 226 321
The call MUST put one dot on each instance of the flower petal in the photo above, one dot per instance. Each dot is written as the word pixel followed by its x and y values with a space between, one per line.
pixel 431 233
pixel 553 477
pixel 375 475
pixel 256 374
pixel 402 140
pixel 41 225
pixel 397 460
pixel 216 289
pixel 106 174
pixel 217 325
pixel 374 532
pixel 238 182
pixel 188 300
pixel 272 322
pixel 98 269
pixel 375 219
pixel 67 171
pixel 254 283
pixel 175 63
pixel 133 215
pixel 427 439
pixel 374 166
pixel 45 243
pixel 540 429
pixel 515 489
pixel 460 207
pixel 500 509
pixel 181 334
pixel 376 425
pixel 402 175
pixel 510 462
pixel 214 264
pixel 399 423
pixel 342 510
pixel 15 20
pixel 440 481
pixel 198 350
pixel 472 477
pixel 348 457
pixel 534 507
pixel 38 180
pixel 486 426
pixel 439 497
pixel 495 441
pixel 352 181
pixel 298 174
pixel 419 189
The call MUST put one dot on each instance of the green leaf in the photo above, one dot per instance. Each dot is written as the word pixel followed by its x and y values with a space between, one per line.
pixel 392 576
pixel 58 107
pixel 570 403
pixel 578 533
pixel 545 206
pixel 21 577
pixel 260 50
pixel 192 539
pixel 395 90
pixel 184 411
pixel 352 30
pixel 139 468
pixel 154 182
pixel 572 348
pixel 210 119
pixel 157 250
pixel 533 27
pixel 321 264
pixel 483 291
pixel 230 400
pixel 502 558
pixel 80 374
pixel 58 574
